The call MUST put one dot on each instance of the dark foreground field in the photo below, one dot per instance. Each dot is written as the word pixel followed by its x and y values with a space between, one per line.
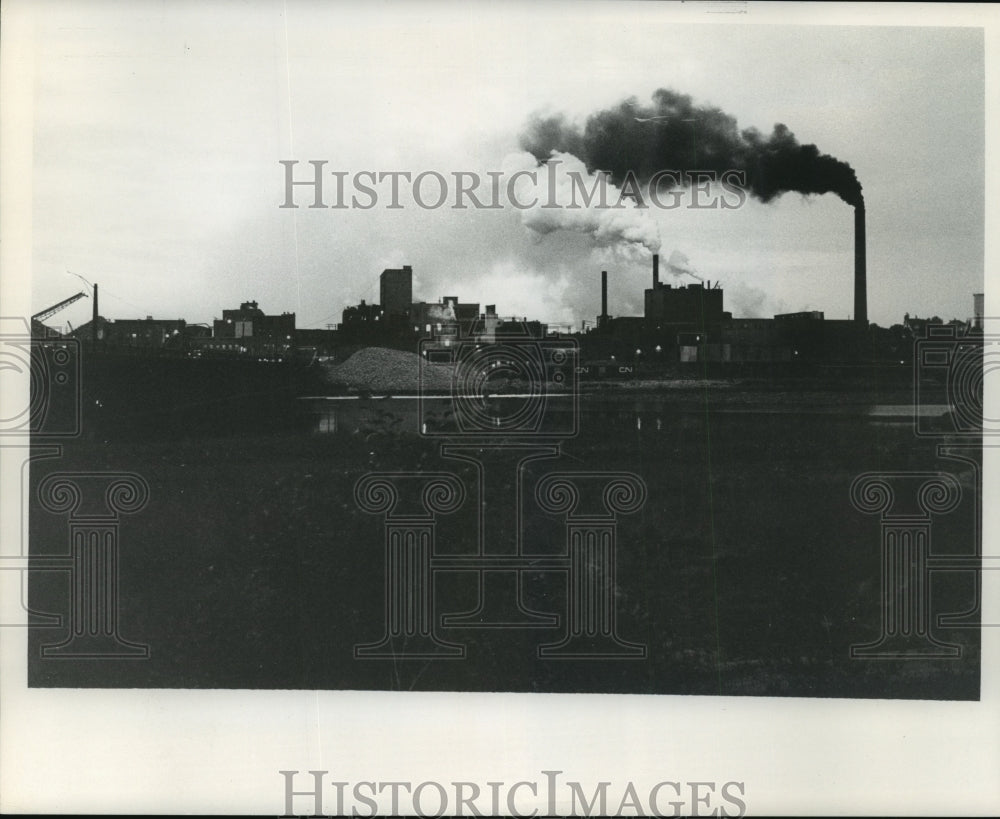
pixel 746 572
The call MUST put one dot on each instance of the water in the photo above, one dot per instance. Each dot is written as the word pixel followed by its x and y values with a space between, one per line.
pixel 410 415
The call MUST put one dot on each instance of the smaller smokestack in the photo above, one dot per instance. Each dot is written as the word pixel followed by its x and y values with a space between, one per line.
pixel 604 294
pixel 93 323
pixel 656 270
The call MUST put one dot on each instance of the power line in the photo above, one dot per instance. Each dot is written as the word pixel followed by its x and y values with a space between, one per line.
pixel 106 292
pixel 71 273
pixel 322 320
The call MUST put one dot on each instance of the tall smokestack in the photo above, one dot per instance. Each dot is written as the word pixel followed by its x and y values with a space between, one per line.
pixel 93 323
pixel 656 270
pixel 604 295
pixel 860 264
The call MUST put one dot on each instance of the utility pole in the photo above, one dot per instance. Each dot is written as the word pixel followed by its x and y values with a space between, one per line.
pixel 93 320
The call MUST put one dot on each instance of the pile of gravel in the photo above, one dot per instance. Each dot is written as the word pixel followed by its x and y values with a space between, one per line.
pixel 384 371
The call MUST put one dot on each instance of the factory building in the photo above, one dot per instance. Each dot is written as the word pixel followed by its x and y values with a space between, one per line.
pixel 400 322
pixel 687 324
pixel 683 310
pixel 803 337
pixel 391 322
pixel 754 340
pixel 249 331
pixel 250 322
pixel 137 335
pixel 691 308
pixel 486 328
pixel 148 333
pixel 448 319
pixel 677 321
pixel 360 324
pixel 519 327
pixel 452 321
pixel 396 292
pixel 361 314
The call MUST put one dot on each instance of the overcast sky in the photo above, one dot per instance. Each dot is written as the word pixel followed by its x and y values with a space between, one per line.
pixel 159 128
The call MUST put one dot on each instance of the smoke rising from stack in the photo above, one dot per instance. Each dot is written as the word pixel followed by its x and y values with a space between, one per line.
pixel 626 230
pixel 675 134
pixel 679 264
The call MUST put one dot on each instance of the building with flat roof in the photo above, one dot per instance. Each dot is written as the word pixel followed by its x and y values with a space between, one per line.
pixel 249 331
pixel 396 292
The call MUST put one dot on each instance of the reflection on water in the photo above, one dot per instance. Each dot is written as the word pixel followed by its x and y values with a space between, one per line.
pixel 909 410
pixel 404 415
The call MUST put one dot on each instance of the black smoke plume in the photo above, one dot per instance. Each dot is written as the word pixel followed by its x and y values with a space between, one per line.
pixel 675 134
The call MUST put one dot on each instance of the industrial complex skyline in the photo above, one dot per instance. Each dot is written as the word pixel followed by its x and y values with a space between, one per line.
pixel 680 324
pixel 524 391
pixel 157 152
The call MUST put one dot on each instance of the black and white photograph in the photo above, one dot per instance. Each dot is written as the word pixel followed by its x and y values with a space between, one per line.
pixel 464 409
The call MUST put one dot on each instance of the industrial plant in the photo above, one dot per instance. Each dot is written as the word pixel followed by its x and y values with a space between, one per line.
pixel 684 323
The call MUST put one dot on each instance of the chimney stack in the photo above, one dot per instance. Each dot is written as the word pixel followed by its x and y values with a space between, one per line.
pixel 93 323
pixel 604 295
pixel 656 270
pixel 860 264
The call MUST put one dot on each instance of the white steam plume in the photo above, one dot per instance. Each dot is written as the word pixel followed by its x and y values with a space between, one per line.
pixel 611 221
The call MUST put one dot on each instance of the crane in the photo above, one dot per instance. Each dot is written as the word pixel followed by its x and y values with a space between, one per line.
pixel 55 308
